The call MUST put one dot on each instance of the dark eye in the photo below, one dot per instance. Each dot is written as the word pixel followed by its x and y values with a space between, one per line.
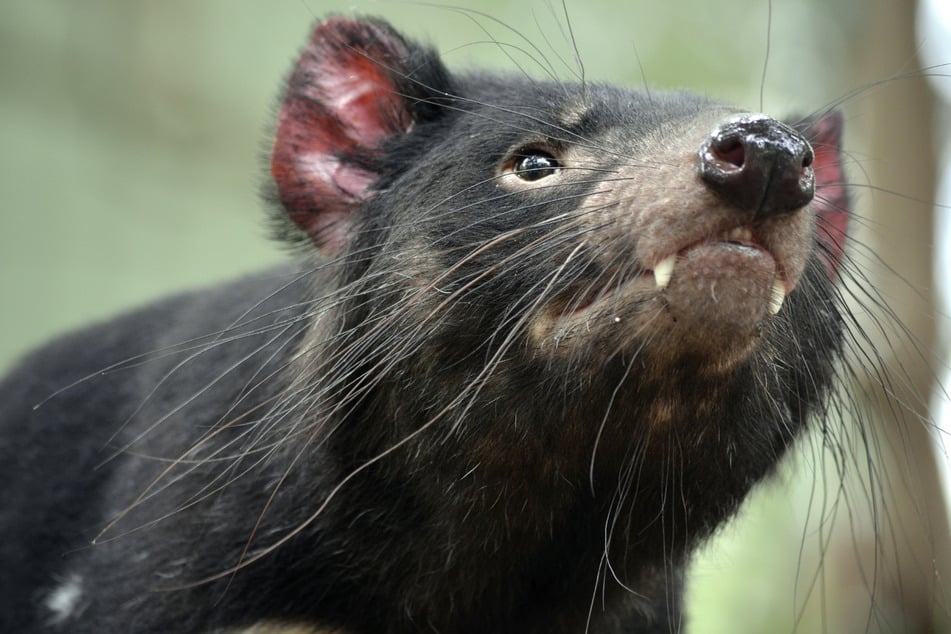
pixel 535 165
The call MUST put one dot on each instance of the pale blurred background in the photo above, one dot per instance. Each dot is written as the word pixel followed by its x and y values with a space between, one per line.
pixel 130 143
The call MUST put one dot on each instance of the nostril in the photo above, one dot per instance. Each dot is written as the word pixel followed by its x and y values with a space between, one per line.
pixel 759 165
pixel 730 151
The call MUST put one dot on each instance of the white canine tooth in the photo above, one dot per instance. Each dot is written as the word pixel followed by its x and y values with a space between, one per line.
pixel 776 297
pixel 663 271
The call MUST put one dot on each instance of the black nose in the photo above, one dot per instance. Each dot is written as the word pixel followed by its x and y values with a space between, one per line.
pixel 759 164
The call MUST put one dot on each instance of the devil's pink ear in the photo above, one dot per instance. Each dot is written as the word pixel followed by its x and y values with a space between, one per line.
pixel 831 204
pixel 342 103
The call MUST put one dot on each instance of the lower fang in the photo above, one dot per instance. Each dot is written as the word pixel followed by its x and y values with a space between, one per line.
pixel 664 270
pixel 777 296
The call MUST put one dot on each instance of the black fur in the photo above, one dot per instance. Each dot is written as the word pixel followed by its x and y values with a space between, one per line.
pixel 373 442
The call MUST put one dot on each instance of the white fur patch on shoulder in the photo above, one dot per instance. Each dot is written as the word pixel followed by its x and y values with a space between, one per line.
pixel 64 598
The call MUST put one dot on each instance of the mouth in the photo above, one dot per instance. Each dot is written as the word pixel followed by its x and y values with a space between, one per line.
pixel 739 248
pixel 703 286
pixel 736 239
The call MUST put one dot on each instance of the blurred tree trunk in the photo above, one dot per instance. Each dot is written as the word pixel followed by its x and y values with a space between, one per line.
pixel 898 578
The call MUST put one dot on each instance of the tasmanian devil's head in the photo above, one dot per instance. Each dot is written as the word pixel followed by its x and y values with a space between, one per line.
pixel 574 281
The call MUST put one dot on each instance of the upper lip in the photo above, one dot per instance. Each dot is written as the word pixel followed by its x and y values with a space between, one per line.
pixel 745 235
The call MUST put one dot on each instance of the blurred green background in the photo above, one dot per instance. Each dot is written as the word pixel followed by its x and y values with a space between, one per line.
pixel 131 136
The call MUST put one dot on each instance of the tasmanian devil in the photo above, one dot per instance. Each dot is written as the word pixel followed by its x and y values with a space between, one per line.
pixel 548 338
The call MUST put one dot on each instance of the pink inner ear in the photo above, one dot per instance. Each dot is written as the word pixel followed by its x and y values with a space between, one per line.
pixel 341 102
pixel 831 201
